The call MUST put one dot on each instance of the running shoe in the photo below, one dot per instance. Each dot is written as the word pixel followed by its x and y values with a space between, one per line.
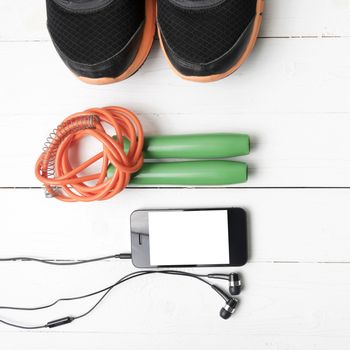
pixel 102 41
pixel 207 40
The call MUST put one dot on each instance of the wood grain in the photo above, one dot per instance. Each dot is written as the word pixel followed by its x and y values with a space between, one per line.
pixel 299 101
pixel 288 150
pixel 285 225
pixel 282 75
pixel 292 97
pixel 283 306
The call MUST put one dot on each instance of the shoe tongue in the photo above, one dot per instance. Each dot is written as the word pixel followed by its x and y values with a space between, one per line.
pixel 83 5
pixel 197 4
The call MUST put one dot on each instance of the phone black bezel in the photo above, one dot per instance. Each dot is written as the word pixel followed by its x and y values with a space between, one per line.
pixel 238 243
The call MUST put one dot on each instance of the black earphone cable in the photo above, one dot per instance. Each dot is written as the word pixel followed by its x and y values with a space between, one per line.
pixel 22 327
pixel 122 280
pixel 67 263
pixel 105 290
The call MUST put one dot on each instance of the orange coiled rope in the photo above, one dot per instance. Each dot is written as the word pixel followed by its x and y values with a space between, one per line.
pixel 63 182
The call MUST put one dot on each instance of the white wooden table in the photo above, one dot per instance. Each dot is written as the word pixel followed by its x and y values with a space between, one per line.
pixel 292 96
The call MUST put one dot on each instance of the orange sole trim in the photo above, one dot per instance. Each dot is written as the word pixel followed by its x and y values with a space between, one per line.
pixel 243 58
pixel 143 52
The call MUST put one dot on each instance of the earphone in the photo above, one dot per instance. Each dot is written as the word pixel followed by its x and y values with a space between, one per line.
pixel 226 311
pixel 234 279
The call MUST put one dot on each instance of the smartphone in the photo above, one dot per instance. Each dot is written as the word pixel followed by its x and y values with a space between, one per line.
pixel 189 238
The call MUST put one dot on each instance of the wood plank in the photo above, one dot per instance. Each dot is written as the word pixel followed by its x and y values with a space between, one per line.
pixel 299 101
pixel 287 149
pixel 291 96
pixel 25 19
pixel 285 225
pixel 312 18
pixel 293 76
pixel 306 305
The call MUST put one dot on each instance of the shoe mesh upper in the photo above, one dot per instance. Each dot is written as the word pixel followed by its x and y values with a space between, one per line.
pixel 94 37
pixel 203 35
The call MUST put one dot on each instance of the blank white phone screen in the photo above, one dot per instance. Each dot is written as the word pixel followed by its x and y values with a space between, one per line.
pixel 189 237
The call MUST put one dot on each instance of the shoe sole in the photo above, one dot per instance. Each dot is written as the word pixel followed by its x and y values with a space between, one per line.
pixel 210 78
pixel 143 52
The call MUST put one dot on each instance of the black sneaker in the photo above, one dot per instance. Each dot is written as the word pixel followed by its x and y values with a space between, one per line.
pixel 206 40
pixel 102 41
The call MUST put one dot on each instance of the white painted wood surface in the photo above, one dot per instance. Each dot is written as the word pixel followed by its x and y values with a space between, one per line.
pixel 292 96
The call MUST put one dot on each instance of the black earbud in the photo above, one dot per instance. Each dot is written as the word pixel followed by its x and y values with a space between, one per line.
pixel 231 303
pixel 227 311
pixel 235 284
pixel 234 279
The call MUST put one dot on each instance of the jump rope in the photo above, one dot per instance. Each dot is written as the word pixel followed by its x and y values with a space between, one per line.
pixel 123 158
pixel 124 153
